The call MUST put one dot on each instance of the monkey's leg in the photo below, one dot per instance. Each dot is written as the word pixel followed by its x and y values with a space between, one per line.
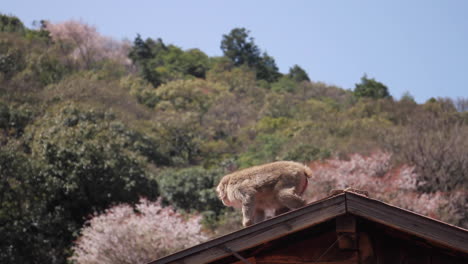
pixel 282 211
pixel 248 212
pixel 288 198
pixel 259 215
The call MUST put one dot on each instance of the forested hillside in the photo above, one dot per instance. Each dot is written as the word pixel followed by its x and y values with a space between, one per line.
pixel 89 124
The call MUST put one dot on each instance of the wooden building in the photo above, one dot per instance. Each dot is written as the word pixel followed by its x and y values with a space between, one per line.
pixel 342 229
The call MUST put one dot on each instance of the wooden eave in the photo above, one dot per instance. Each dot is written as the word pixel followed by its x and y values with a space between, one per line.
pixel 437 232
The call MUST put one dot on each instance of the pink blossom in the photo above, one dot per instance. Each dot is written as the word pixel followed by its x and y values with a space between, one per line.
pixel 89 45
pixel 124 235
pixel 394 185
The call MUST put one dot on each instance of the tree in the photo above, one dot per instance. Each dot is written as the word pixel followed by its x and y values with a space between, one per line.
pixel 87 46
pixel 191 189
pixel 87 162
pixel 140 51
pixel 144 54
pixel 160 63
pixel 12 57
pixel 436 145
pixel 267 69
pixel 284 84
pixel 397 185
pixel 180 135
pixel 11 24
pixel 187 95
pixel 242 50
pixel 194 62
pixel 298 74
pixel 24 224
pixel 371 88
pixel 140 234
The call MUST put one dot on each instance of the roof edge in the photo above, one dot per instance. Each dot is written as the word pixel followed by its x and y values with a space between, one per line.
pixel 435 231
pixel 407 221
pixel 282 225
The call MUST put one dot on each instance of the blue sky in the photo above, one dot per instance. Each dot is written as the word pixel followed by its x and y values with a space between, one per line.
pixel 420 47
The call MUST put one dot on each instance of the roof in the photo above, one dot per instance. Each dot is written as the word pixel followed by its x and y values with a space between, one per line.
pixel 440 233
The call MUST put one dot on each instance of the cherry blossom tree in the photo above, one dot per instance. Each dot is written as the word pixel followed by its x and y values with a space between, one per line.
pixel 88 46
pixel 124 235
pixel 396 185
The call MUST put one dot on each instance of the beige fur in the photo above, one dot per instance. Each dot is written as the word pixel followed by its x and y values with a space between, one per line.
pixel 274 186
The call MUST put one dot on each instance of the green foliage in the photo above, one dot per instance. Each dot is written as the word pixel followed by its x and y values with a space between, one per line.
pixel 88 88
pixel 298 74
pixel 71 124
pixel 12 59
pixel 242 50
pixel 88 161
pixel 180 136
pixel 266 69
pixel 11 24
pixel 13 120
pixel 141 89
pixel 161 63
pixel 306 153
pixel 193 62
pixel 371 88
pixel 272 124
pixel 407 97
pixel 266 149
pixel 240 80
pixel 21 211
pixel 191 188
pixel 41 34
pixel 31 59
pixel 285 84
pixel 91 148
pixel 228 115
pixel 279 105
pixel 48 69
pixel 186 95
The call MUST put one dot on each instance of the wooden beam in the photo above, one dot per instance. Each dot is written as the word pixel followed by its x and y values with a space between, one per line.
pixel 346 232
pixel 430 229
pixel 346 224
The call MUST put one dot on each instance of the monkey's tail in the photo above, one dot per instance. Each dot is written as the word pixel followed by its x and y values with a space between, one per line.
pixel 308 176
pixel 308 172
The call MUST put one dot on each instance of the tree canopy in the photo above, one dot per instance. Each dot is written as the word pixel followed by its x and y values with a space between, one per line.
pixel 371 88
pixel 241 49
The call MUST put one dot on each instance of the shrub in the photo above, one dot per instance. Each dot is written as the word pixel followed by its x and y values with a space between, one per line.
pixel 267 149
pixel 395 185
pixel 435 144
pixel 11 24
pixel 191 189
pixel 285 84
pixel 306 153
pixel 126 235
pixel 371 88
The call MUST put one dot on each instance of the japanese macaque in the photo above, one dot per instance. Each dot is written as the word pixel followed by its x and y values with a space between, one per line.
pixel 274 186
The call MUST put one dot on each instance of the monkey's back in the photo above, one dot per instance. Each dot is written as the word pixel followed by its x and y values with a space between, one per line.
pixel 263 176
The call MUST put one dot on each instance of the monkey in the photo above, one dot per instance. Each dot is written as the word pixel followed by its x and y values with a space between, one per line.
pixel 274 186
